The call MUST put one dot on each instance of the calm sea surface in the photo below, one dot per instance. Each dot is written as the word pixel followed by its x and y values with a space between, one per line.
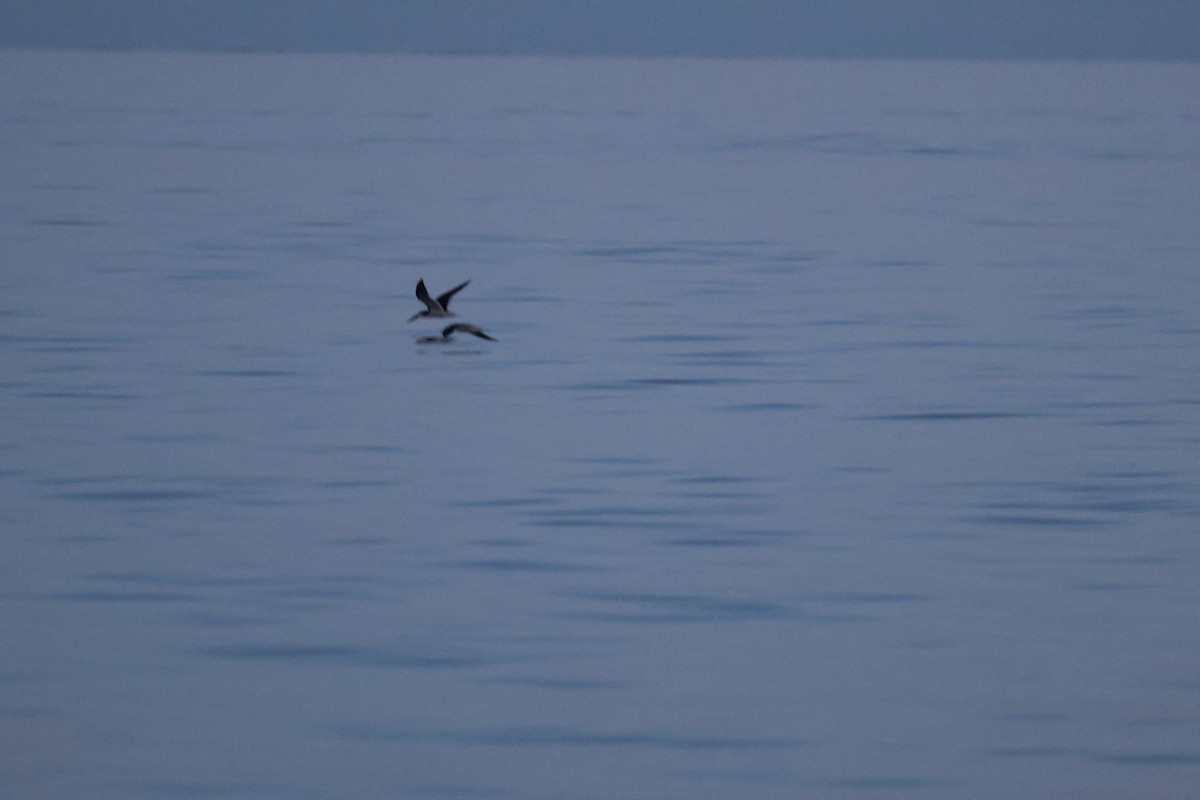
pixel 841 438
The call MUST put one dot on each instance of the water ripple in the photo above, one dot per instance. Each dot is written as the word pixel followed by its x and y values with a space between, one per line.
pixel 552 736
pixel 342 655
pixel 658 608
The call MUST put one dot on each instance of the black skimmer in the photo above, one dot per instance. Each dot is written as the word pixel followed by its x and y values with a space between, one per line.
pixel 438 307
pixel 449 331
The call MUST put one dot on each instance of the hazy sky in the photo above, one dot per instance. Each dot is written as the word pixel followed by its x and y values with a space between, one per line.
pixel 1146 29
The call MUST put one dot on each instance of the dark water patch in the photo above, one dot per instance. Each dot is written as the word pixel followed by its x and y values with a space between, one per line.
pixel 1116 487
pixel 9 677
pixel 895 783
pixel 619 461
pixel 768 408
pixel 511 502
pixel 610 517
pixel 181 790
pixel 930 344
pixel 568 521
pixel 526 295
pixel 148 493
pixel 840 142
pixel 355 484
pixel 68 143
pixel 1108 587
pixel 716 494
pixel 83 394
pixel 1035 521
pixel 214 274
pixel 996 222
pixel 129 597
pixel 1106 377
pixel 638 607
pixel 504 541
pixel 72 222
pixel 1189 720
pixel 1130 475
pixel 454 351
pixel 1122 154
pixel 129 109
pixel 145 577
pixel 716 479
pixel 552 736
pixel 950 416
pixel 174 438
pixel 863 598
pixel 1150 759
pixel 1109 313
pixel 713 542
pixel 364 449
pixel 215 620
pixel 25 712
pixel 205 790
pixel 89 538
pixel 558 684
pixel 1038 716
pixel 420 261
pixel 70 344
pixel 686 381
pixel 134 495
pixel 65 187
pixel 340 655
pixel 721 358
pixel 247 373
pixel 360 541
pixel 1147 560
pixel 682 338
pixel 181 190
pixel 603 512
pixel 322 586
pixel 317 592
pixel 521 565
pixel 643 384
pixel 771 534
pixel 934 151
pixel 489 239
pixel 180 143
pixel 1034 752
pixel 446 791
pixel 1094 501
pixel 633 254
pixel 927 644
pixel 1143 506
pixel 899 263
pixel 1124 422
pixel 1109 506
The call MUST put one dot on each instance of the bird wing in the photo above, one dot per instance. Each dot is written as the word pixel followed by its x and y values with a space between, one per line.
pixel 423 296
pixel 444 298
pixel 473 330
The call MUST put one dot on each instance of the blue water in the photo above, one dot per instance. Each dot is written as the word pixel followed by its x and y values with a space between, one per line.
pixel 839 441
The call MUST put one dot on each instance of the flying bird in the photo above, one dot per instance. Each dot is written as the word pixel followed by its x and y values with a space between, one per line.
pixel 449 331
pixel 435 308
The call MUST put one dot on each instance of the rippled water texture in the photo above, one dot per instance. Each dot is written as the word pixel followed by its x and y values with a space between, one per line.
pixel 839 441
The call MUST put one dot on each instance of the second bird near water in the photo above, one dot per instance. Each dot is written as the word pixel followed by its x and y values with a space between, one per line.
pixel 440 307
